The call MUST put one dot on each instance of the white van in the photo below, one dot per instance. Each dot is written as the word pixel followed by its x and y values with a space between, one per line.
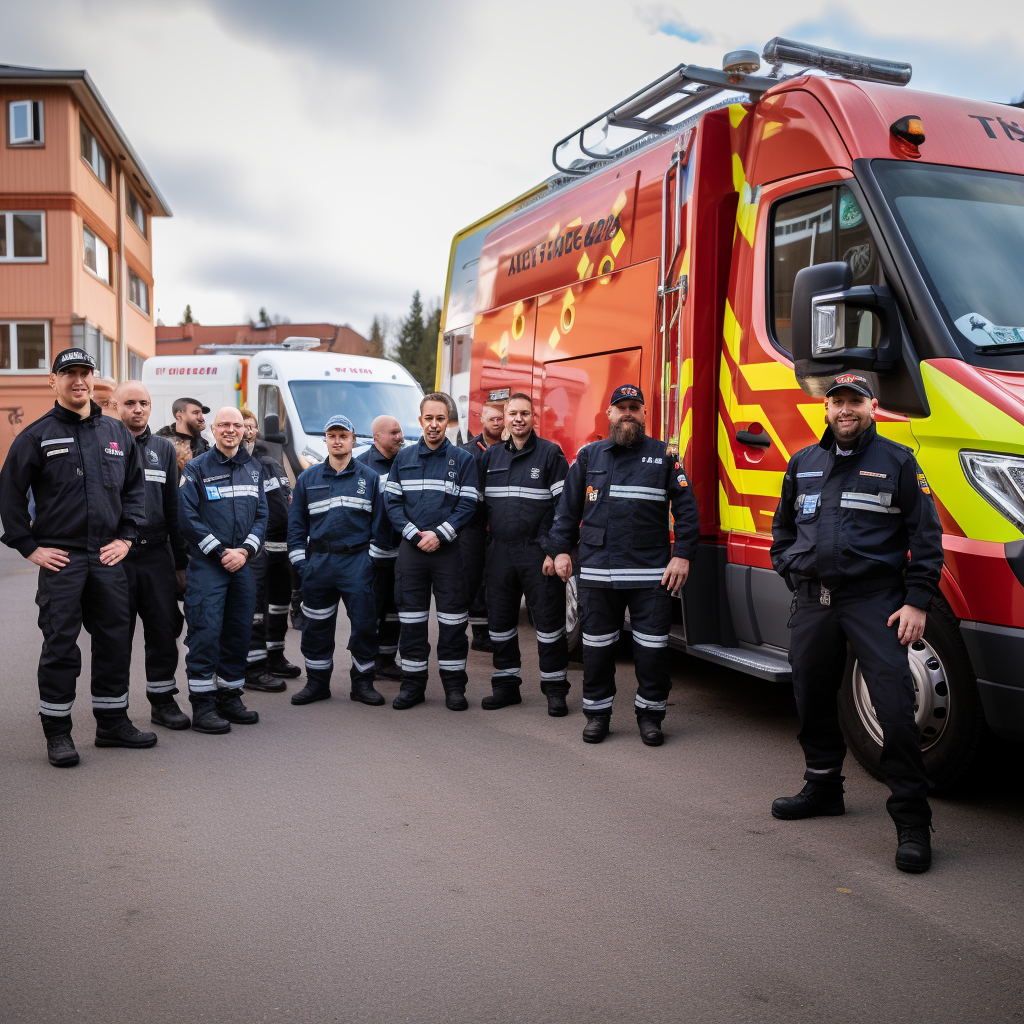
pixel 304 389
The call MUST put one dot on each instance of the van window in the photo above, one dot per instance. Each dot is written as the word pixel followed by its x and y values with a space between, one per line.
pixel 269 404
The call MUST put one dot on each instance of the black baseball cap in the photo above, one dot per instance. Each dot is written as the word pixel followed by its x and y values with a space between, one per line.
pixel 627 391
pixel 72 357
pixel 853 381
pixel 181 404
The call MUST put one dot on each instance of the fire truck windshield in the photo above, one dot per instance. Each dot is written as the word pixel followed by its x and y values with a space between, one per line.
pixel 360 400
pixel 965 229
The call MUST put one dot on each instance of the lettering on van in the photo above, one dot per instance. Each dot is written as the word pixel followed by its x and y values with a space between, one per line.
pixel 1011 129
pixel 187 371
pixel 572 240
pixel 353 369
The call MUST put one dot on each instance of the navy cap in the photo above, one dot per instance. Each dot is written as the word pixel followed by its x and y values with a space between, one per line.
pixel 340 421
pixel 627 391
pixel 853 381
pixel 72 357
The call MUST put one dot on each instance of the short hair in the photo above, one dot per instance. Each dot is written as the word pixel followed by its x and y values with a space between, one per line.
pixel 445 400
pixel 247 414
pixel 181 404
pixel 520 395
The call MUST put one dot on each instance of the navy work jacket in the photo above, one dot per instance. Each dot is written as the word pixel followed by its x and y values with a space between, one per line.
pixel 160 465
pixel 278 490
pixel 380 464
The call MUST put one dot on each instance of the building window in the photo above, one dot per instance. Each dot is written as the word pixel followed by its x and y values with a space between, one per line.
pixel 24 347
pixel 138 292
pixel 88 336
pixel 136 212
pixel 22 236
pixel 25 123
pixel 94 154
pixel 134 366
pixel 96 255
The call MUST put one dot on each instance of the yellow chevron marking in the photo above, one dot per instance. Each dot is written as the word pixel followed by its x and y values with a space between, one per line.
pixel 617 242
pixel 734 517
pixel 771 128
pixel 620 202
pixel 685 377
pixel 736 114
pixel 685 433
pixel 554 338
pixel 770 376
pixel 583 265
pixel 574 223
pixel 747 481
pixel 732 332
pixel 814 413
pixel 750 413
pixel 746 210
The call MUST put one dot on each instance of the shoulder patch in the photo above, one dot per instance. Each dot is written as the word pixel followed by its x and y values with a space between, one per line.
pixel 922 482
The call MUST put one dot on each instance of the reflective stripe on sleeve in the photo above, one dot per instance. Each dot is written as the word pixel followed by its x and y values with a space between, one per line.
pixel 208 543
pixel 276 546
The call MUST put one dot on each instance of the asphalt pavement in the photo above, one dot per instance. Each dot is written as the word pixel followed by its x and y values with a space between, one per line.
pixel 338 862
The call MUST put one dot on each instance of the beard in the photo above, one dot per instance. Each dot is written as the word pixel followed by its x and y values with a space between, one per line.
pixel 626 433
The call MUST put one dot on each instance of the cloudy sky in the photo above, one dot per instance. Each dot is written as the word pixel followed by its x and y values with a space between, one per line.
pixel 319 156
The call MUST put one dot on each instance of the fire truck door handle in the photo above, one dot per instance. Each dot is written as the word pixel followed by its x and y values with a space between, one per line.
pixel 756 440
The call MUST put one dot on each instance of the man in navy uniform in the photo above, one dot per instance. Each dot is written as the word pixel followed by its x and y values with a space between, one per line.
pixel 222 511
pixel 430 496
pixel 852 506
pixel 388 440
pixel 521 481
pixel 157 559
pixel 616 502
pixel 87 482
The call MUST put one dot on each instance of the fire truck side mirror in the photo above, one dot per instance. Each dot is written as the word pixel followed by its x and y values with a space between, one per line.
pixel 272 429
pixel 837 327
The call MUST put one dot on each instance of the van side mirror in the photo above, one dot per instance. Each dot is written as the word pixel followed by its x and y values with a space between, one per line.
pixel 272 429
pixel 837 327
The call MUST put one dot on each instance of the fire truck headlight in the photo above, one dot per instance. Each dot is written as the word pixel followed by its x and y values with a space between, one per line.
pixel 999 479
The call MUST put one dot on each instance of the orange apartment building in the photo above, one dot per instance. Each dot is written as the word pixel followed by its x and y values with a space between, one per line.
pixel 76 260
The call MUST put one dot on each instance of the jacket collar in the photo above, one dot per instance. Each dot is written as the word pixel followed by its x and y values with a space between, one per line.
pixel 424 452
pixel 329 470
pixel 859 443
pixel 144 436
pixel 240 458
pixel 531 443
pixel 72 417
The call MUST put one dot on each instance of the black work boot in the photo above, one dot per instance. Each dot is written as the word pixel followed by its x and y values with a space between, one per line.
pixel 455 699
pixel 557 707
pixel 815 800
pixel 914 849
pixel 650 730
pixel 205 717
pixel 231 708
pixel 60 750
pixel 408 697
pixel 164 711
pixel 311 692
pixel 366 694
pixel 261 679
pixel 481 640
pixel 115 729
pixel 503 696
pixel 597 727
pixel 387 668
pixel 279 665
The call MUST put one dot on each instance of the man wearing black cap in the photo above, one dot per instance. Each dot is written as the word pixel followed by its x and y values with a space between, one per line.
pixel 851 508
pixel 87 481
pixel 188 426
pixel 616 502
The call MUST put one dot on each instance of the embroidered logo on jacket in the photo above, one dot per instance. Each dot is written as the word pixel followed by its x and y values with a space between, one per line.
pixel 535 473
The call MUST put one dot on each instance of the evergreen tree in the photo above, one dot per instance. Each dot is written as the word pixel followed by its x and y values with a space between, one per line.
pixel 376 345
pixel 431 330
pixel 264 318
pixel 187 317
pixel 409 348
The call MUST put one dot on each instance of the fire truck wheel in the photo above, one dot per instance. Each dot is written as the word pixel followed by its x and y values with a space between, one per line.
pixel 948 709
pixel 573 622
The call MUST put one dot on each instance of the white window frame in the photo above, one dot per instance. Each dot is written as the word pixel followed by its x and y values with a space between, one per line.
pixel 9 216
pixel 14 325
pixel 131 302
pixel 95 151
pixel 135 362
pixel 35 111
pixel 144 230
pixel 106 248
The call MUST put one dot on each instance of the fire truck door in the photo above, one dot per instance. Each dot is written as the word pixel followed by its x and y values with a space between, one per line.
pixel 502 355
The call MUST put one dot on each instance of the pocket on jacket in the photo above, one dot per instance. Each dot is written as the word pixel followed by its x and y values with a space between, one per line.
pixel 592 536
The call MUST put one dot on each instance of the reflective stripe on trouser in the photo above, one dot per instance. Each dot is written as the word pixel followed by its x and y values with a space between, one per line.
pixel 817 652
pixel 472 543
pixel 219 606
pixel 512 571
pixel 417 573
pixel 650 616
pixel 153 597
pixel 388 625
pixel 327 580
pixel 85 592
pixel 272 572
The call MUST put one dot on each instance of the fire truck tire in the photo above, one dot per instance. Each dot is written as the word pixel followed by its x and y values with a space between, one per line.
pixel 573 622
pixel 949 711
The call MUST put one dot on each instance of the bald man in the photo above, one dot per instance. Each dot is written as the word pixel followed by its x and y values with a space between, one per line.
pixel 157 558
pixel 222 511
pixel 387 443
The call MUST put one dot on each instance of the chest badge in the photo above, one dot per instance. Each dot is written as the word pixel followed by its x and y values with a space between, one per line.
pixel 153 457
pixel 361 486
pixel 535 473
pixel 255 475
pixel 592 495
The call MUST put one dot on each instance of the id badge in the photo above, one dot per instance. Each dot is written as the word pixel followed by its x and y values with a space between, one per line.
pixel 212 493
pixel 810 503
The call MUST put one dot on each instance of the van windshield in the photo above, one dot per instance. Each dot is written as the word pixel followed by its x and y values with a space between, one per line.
pixel 360 400
pixel 966 231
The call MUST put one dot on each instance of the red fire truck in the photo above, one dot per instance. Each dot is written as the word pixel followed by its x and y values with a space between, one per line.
pixel 729 239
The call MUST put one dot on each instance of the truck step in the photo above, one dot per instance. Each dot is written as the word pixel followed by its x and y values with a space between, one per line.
pixel 769 665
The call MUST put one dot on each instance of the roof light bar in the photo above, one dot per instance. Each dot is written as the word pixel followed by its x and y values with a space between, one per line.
pixel 836 62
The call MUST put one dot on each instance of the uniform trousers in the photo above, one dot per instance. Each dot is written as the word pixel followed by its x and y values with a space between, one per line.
pixel 514 569
pixel 272 572
pixel 650 617
pixel 417 573
pixel 818 638
pixel 473 545
pixel 219 606
pixel 388 624
pixel 326 580
pixel 153 597
pixel 85 592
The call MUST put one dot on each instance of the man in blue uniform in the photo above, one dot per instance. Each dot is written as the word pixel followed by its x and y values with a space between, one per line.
pixel 86 479
pixel 852 506
pixel 222 511
pixel 616 501
pixel 336 511
pixel 430 496
pixel 156 559
pixel 379 457
pixel 521 481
